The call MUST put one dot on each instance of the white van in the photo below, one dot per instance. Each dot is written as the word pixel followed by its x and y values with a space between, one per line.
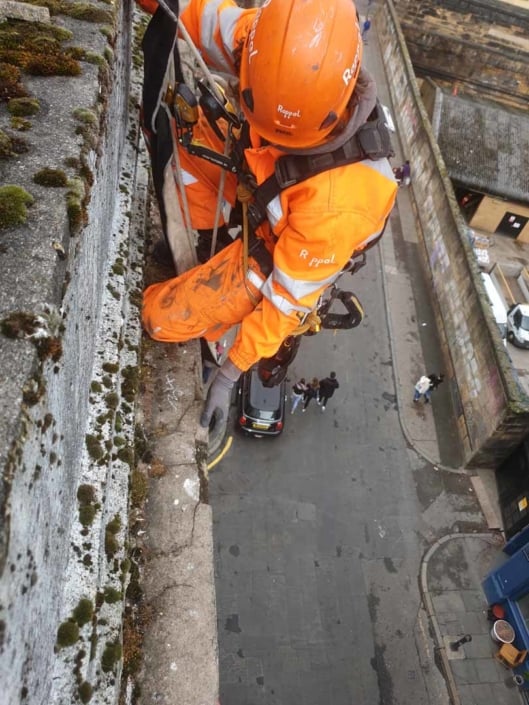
pixel 497 304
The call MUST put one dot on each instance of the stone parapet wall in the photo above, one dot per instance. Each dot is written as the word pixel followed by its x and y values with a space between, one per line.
pixel 479 48
pixel 493 409
pixel 72 281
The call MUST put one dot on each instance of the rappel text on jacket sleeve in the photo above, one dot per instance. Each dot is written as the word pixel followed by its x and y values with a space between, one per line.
pixel 316 261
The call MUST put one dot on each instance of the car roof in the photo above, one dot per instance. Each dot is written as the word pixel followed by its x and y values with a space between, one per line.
pixel 261 397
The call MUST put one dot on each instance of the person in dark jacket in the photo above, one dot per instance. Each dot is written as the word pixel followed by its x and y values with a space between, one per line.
pixel 327 387
pixel 435 380
pixel 312 392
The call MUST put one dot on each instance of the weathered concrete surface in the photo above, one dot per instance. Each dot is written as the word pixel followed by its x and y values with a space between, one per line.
pixel 180 644
pixel 68 422
pixel 67 425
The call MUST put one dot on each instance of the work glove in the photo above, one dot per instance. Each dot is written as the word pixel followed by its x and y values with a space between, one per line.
pixel 219 394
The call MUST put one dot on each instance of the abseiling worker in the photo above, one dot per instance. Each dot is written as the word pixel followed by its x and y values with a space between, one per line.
pixel 302 91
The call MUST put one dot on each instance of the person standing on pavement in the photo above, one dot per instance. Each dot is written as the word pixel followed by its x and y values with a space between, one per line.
pixel 405 172
pixel 422 389
pixel 298 392
pixel 328 385
pixel 365 28
pixel 311 393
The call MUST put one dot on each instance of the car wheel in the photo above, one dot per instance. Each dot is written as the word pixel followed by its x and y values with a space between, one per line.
pixel 510 336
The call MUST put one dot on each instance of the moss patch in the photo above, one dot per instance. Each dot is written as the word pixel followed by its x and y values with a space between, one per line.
pixel 33 391
pixel 67 634
pixel 14 201
pixel 18 324
pixel 75 204
pixel 129 385
pixel 111 656
pixel 22 107
pixel 50 347
pixel 111 542
pixel 86 494
pixel 53 178
pixel 112 595
pixel 85 692
pixel 36 48
pixel 94 447
pixel 10 82
pixel 84 611
pixel 20 124
pixel 87 117
pixel 11 145
pixel 138 488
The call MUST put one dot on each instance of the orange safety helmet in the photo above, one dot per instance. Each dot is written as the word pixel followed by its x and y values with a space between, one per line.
pixel 299 67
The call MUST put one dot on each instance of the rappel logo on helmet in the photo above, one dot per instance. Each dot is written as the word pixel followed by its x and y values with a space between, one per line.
pixel 351 73
pixel 251 49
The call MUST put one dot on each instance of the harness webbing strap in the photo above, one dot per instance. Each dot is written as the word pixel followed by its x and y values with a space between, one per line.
pixel 371 141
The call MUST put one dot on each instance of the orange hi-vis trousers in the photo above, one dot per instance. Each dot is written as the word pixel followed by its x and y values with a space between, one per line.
pixel 205 301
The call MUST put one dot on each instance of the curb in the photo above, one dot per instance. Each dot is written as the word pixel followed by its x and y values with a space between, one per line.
pixel 402 416
pixel 430 611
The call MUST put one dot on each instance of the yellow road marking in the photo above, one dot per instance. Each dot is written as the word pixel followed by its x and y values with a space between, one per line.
pixel 221 454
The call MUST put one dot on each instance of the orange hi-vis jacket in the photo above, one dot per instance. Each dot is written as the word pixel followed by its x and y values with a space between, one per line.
pixel 312 228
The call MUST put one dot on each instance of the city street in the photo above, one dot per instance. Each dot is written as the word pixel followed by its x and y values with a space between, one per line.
pixel 319 537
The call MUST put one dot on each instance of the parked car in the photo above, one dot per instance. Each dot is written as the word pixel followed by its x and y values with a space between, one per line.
pixel 518 325
pixel 261 409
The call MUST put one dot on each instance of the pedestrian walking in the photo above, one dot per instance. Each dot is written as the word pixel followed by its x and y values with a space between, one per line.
pixel 435 380
pixel 422 389
pixel 298 392
pixel 311 393
pixel 405 171
pixel 365 28
pixel 328 385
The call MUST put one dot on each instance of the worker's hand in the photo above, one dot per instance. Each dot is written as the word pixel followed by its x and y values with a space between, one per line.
pixel 219 394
